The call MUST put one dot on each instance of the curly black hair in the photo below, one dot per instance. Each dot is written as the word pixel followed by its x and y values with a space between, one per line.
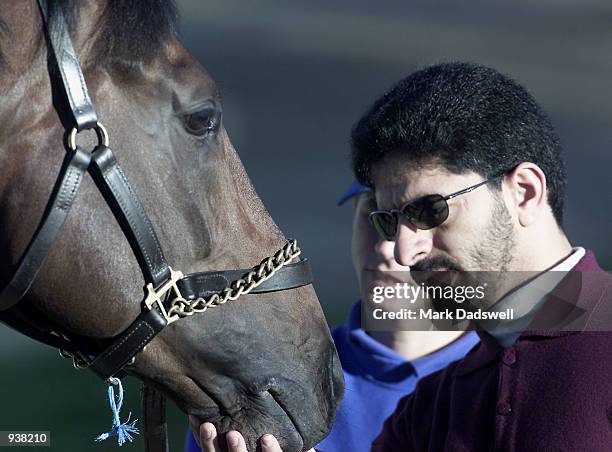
pixel 465 117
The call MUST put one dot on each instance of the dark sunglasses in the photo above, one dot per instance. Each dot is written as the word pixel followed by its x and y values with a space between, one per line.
pixel 424 213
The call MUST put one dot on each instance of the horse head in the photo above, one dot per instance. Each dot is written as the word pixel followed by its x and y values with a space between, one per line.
pixel 263 363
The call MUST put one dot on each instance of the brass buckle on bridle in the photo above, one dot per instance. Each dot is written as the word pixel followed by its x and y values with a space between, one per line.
pixel 157 296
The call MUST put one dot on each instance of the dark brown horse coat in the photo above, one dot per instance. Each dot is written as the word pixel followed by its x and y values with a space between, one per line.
pixel 262 364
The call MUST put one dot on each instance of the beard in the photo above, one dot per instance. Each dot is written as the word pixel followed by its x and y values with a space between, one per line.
pixel 486 261
pixel 493 252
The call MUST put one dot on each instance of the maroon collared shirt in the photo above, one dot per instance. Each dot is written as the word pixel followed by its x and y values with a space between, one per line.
pixel 550 391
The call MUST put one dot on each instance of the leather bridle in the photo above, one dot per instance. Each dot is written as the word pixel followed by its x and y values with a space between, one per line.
pixel 170 295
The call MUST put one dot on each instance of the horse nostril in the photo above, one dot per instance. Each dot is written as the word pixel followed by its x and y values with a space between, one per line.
pixel 263 388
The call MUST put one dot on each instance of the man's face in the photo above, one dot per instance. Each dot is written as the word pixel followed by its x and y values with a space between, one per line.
pixel 373 258
pixel 479 231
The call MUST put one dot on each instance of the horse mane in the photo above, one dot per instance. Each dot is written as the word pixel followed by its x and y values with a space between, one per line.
pixel 131 31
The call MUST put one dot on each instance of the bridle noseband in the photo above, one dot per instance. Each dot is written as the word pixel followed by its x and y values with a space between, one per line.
pixel 170 295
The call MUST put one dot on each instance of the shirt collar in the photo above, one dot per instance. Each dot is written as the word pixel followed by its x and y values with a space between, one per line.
pixel 528 299
pixel 386 365
pixel 489 347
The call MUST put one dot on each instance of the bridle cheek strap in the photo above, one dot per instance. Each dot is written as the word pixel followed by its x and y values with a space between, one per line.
pixel 73 82
pixel 125 205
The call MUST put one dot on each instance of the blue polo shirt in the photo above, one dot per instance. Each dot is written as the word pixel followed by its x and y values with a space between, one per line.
pixel 375 377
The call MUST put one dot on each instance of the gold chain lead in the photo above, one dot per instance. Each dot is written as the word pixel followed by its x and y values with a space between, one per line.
pixel 184 308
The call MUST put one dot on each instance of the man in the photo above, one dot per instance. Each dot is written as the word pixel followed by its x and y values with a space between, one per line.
pixel 445 129
pixel 379 366
pixel 463 128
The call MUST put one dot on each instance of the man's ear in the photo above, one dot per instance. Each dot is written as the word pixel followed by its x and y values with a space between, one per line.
pixel 527 185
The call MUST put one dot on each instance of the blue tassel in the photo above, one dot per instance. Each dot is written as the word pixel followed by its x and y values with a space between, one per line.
pixel 122 430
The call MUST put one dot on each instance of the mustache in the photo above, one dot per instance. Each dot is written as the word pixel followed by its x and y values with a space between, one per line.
pixel 437 263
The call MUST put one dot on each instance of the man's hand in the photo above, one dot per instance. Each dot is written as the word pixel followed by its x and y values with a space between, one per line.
pixel 235 441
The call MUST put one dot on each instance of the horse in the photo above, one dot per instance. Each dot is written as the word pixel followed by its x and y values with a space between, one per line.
pixel 262 363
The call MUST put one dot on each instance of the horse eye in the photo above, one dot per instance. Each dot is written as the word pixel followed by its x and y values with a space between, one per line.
pixel 202 122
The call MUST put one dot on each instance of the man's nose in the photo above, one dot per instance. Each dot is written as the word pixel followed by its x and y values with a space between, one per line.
pixel 411 244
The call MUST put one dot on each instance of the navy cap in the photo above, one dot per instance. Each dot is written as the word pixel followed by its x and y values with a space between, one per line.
pixel 355 189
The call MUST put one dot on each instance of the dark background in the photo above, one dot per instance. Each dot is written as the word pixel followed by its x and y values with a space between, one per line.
pixel 294 77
